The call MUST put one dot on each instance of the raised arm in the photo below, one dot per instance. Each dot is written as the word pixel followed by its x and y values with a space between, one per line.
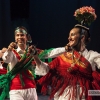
pixel 8 55
pixel 55 52
pixel 52 53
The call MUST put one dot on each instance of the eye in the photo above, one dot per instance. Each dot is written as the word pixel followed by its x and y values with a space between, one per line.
pixel 72 34
pixel 17 34
pixel 22 35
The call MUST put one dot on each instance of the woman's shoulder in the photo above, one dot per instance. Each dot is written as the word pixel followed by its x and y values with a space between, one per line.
pixel 92 53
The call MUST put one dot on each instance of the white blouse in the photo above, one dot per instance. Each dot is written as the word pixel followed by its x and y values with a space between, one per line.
pixel 10 57
pixel 92 56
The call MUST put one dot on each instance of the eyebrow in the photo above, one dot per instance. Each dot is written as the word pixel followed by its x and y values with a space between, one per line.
pixel 72 33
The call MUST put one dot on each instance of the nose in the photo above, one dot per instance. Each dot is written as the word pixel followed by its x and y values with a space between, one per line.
pixel 69 38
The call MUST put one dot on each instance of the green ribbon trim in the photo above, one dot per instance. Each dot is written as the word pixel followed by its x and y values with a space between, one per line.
pixel 32 69
pixel 23 64
pixel 6 79
pixel 21 79
pixel 45 53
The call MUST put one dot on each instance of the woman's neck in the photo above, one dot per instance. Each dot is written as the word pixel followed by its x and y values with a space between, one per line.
pixel 77 48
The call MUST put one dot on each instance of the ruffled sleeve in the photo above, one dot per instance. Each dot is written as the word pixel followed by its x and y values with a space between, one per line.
pixel 55 52
pixel 94 58
pixel 42 69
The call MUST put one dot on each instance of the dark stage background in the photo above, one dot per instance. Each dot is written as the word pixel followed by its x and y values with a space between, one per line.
pixel 48 21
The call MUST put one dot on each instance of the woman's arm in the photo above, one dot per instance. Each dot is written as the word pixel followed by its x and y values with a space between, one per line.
pixel 55 52
pixel 41 67
pixel 94 58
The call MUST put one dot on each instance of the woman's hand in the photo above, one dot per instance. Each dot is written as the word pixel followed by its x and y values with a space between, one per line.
pixel 68 47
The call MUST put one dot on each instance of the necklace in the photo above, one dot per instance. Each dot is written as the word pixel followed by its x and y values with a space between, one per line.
pixel 73 61
pixel 73 58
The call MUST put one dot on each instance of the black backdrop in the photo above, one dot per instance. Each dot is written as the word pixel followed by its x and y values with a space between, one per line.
pixel 48 21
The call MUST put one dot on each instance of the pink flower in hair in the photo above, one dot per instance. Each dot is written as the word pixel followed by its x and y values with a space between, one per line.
pixel 85 13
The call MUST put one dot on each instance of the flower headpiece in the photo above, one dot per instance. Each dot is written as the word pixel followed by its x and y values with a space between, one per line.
pixel 85 15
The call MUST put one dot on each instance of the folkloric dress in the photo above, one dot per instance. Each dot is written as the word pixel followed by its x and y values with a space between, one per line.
pixel 71 75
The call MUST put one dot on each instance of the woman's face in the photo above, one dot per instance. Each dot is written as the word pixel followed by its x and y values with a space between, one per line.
pixel 74 36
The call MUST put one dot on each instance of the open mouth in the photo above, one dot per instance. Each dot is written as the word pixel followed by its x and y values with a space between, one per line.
pixel 20 41
pixel 71 41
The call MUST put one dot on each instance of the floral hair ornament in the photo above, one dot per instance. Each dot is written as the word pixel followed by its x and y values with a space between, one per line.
pixel 85 15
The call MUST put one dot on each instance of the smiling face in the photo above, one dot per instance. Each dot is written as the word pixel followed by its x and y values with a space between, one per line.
pixel 20 38
pixel 74 36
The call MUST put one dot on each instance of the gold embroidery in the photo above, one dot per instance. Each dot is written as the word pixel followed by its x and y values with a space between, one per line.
pixel 68 58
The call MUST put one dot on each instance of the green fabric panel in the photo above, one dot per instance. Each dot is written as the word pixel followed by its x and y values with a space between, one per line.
pixel 45 52
pixel 6 79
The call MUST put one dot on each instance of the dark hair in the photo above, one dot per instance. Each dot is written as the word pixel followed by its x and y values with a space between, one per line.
pixel 84 31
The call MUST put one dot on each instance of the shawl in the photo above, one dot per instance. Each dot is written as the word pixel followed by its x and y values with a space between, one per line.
pixel 59 76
